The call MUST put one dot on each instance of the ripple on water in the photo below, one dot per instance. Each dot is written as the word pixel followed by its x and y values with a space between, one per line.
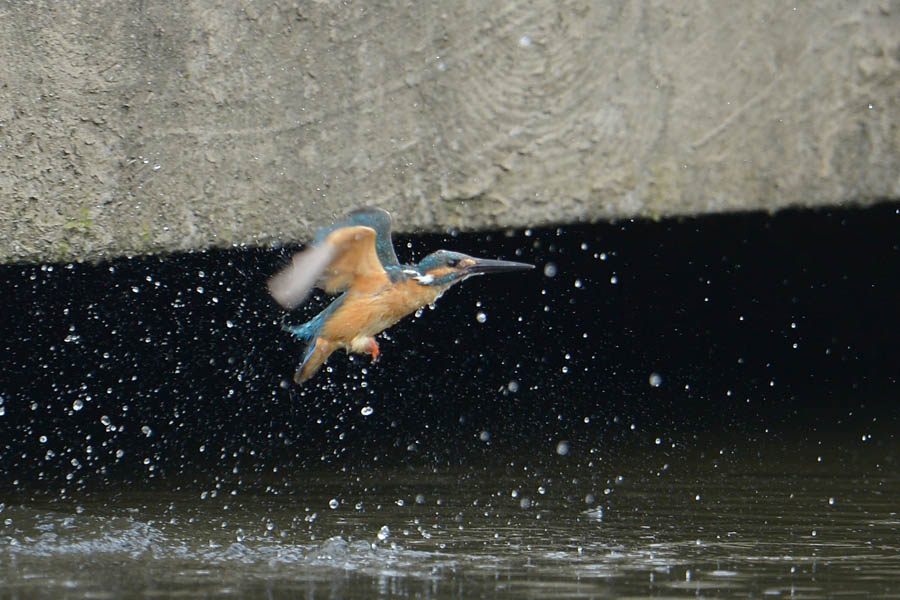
pixel 647 536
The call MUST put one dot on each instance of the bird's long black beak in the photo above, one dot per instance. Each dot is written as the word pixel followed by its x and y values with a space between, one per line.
pixel 487 265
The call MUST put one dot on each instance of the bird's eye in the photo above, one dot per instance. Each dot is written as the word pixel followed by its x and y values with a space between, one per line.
pixel 452 262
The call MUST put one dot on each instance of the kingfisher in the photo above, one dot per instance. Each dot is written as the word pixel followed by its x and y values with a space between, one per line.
pixel 355 258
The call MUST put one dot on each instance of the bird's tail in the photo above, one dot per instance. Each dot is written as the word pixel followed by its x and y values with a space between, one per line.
pixel 304 332
pixel 317 352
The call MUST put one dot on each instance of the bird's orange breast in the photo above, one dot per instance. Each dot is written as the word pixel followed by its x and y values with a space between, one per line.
pixel 365 313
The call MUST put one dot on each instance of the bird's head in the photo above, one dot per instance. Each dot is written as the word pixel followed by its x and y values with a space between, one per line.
pixel 444 267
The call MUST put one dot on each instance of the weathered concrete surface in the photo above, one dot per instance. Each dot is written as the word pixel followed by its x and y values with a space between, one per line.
pixel 146 126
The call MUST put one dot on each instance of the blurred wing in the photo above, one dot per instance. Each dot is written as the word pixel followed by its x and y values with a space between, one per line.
pixel 291 285
pixel 345 257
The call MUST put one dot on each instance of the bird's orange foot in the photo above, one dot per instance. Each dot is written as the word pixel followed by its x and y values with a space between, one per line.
pixel 372 348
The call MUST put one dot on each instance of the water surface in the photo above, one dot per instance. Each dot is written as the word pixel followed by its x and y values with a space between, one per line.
pixel 490 530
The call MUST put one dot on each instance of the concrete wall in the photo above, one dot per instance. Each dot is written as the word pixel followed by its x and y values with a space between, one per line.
pixel 150 126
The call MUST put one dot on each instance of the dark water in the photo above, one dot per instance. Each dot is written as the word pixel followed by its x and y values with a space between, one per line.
pixel 703 407
pixel 495 531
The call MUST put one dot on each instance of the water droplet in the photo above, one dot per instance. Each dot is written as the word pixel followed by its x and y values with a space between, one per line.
pixel 655 380
pixel 614 280
pixel 484 436
pixel 513 386
pixel 480 317
pixel 77 405
pixel 550 270
pixel 367 410
pixel 333 503
pixel 562 448
pixel 525 41
pixel 384 533
pixel 146 431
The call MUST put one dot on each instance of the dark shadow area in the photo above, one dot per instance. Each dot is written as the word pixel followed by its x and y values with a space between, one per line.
pixel 739 335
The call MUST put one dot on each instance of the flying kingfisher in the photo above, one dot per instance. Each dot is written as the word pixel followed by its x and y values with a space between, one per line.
pixel 355 258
